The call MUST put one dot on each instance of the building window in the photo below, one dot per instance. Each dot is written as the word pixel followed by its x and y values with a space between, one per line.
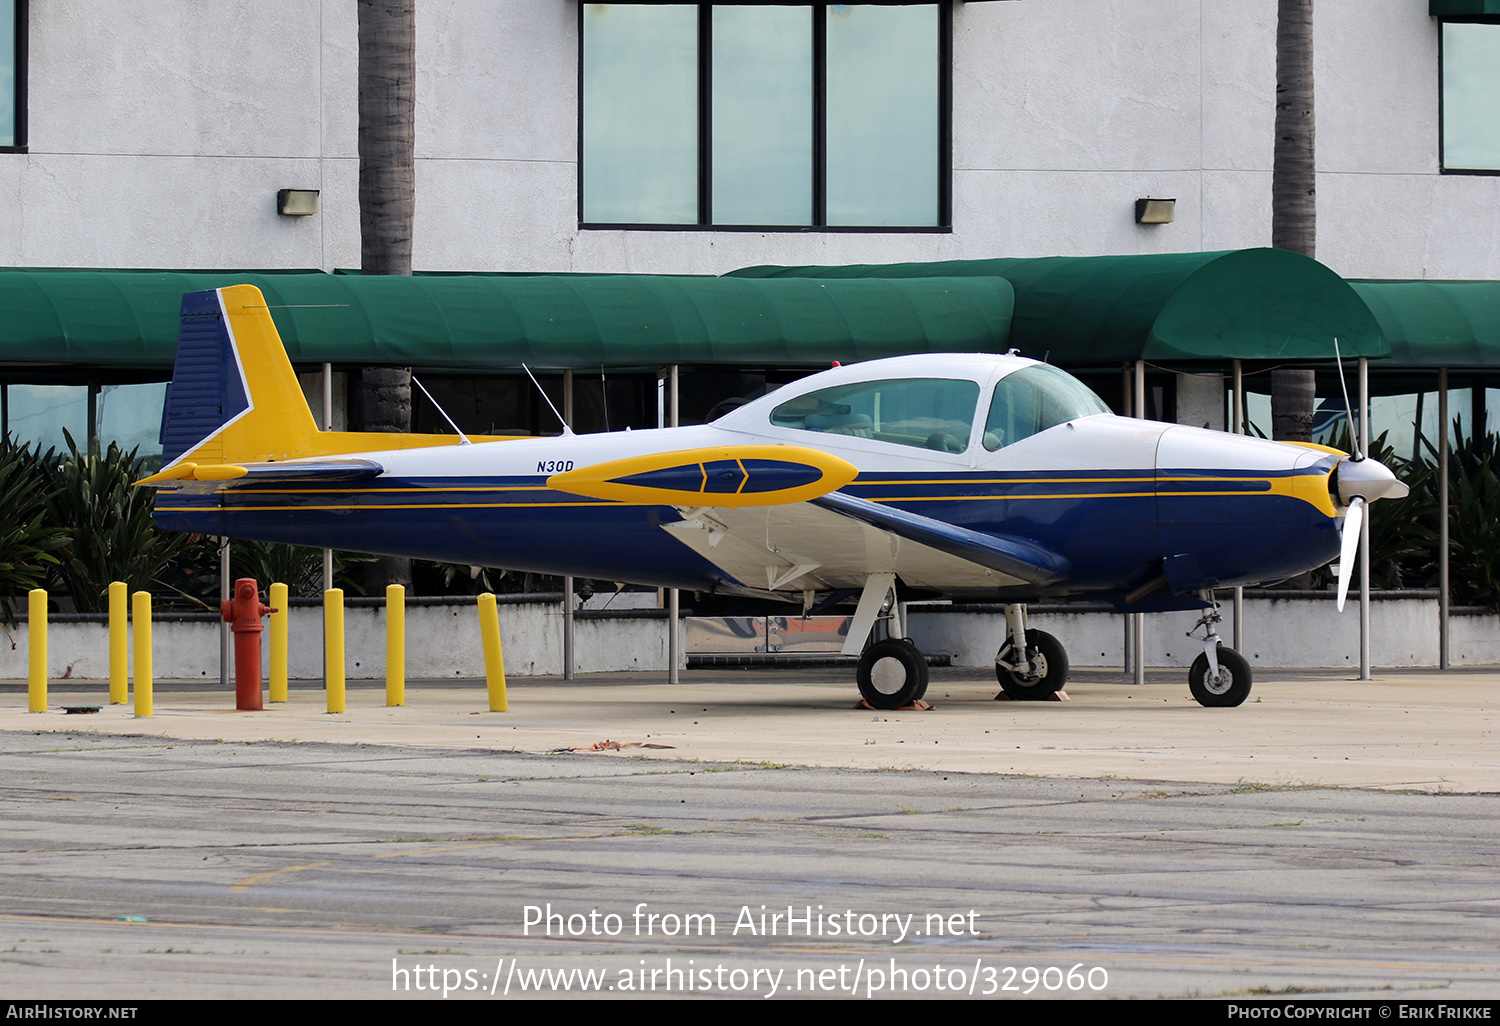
pixel 830 116
pixel 1471 96
pixel 12 75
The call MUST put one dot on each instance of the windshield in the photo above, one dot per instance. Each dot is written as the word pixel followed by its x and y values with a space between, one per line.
pixel 1033 399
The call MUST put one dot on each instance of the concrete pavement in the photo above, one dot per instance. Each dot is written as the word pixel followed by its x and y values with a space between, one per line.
pixel 1406 730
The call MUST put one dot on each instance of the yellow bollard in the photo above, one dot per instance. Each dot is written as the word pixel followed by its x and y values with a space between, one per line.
pixel 494 657
pixel 395 645
pixel 141 614
pixel 279 621
pixel 119 648
pixel 333 648
pixel 36 644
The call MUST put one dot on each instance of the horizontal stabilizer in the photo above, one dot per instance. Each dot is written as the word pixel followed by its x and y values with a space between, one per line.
pixel 1017 557
pixel 311 470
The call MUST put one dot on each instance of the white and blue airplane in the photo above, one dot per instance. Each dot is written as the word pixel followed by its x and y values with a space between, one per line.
pixel 963 475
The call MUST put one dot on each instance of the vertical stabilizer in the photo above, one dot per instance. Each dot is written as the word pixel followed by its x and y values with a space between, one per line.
pixel 234 397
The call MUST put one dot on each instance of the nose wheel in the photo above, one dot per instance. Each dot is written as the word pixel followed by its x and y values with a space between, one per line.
pixel 1219 677
pixel 1230 686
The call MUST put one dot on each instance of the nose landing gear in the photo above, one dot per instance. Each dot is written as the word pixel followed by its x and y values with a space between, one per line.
pixel 1219 677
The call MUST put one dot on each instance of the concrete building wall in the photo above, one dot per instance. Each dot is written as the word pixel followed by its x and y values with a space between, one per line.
pixel 443 641
pixel 160 132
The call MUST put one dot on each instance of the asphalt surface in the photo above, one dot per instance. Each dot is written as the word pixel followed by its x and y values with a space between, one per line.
pixel 1334 839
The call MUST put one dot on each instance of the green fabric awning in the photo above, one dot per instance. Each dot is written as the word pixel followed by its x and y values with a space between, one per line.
pixel 1432 324
pixel 1265 305
pixel 125 319
pixel 1252 304
pixel 1437 323
pixel 1462 8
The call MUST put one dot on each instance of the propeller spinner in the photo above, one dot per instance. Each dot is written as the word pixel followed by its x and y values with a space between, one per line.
pixel 1359 482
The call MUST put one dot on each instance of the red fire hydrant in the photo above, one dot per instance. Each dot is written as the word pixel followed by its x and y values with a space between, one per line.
pixel 244 612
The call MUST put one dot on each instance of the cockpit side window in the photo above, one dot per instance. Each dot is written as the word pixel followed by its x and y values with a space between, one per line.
pixel 928 413
pixel 1033 399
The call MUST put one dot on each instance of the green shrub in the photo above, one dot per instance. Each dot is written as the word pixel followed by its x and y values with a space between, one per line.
pixel 1473 527
pixel 113 537
pixel 299 567
pixel 29 537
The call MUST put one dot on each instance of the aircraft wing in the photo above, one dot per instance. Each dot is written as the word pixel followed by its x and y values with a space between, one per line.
pixel 838 541
pixel 1018 557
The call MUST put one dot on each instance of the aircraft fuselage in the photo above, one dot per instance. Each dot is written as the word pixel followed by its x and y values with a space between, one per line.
pixel 1117 496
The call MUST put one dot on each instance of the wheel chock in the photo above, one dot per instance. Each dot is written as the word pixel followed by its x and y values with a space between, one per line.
pixel 1056 696
pixel 918 706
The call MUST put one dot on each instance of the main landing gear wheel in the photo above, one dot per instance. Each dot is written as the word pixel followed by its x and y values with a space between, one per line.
pixel 1049 669
pixel 892 674
pixel 1230 688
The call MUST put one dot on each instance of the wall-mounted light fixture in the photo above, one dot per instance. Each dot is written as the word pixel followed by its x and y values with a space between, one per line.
pixel 297 202
pixel 1155 211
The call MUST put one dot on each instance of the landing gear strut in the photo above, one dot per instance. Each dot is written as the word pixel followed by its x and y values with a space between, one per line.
pixel 892 673
pixel 1031 665
pixel 1219 676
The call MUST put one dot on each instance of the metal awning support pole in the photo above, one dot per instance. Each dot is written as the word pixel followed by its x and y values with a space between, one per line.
pixel 328 397
pixel 328 426
pixel 327 553
pixel 1138 625
pixel 93 416
pixel 1443 523
pixel 568 658
pixel 673 598
pixel 1364 527
pixel 1128 408
pixel 1236 418
pixel 1127 404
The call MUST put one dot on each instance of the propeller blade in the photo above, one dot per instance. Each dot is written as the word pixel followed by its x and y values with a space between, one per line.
pixel 1353 520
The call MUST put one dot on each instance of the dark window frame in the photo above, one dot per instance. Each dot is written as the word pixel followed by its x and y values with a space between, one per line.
pixel 1443 167
pixel 20 82
pixel 819 141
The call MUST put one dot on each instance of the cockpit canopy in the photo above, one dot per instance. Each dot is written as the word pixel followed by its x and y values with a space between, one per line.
pixel 939 413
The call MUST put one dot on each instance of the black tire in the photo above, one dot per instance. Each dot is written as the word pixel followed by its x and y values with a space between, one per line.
pixel 1232 686
pixel 1051 674
pixel 892 674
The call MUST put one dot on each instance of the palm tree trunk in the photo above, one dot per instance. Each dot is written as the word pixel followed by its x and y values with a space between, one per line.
pixel 387 200
pixel 387 134
pixel 1294 194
